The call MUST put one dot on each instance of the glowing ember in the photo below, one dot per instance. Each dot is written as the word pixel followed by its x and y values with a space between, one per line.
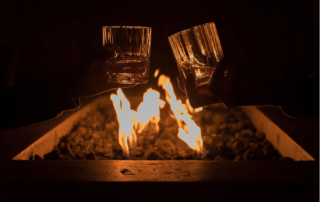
pixel 156 73
pixel 188 130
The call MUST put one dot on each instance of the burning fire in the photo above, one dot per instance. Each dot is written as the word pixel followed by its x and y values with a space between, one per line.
pixel 133 122
pixel 188 130
pixel 148 110
pixel 126 118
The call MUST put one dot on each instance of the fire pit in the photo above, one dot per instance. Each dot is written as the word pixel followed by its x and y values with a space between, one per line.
pixel 108 129
pixel 207 176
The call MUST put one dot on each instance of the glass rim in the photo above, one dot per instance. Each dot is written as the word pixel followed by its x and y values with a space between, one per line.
pixel 183 31
pixel 124 27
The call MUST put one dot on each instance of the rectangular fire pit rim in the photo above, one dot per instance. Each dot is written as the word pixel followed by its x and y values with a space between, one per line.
pixel 171 171
pixel 285 145
pixel 47 142
pixel 288 148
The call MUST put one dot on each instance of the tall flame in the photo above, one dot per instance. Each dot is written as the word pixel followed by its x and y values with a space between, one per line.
pixel 132 122
pixel 189 132
pixel 126 122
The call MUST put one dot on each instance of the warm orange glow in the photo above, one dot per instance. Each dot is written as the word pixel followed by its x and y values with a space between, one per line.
pixel 132 122
pixel 127 135
pixel 190 108
pixel 198 73
pixel 148 110
pixel 156 73
pixel 188 130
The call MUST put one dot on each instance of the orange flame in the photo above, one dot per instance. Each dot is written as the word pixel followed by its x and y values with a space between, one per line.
pixel 148 110
pixel 132 122
pixel 189 132
pixel 126 121
pixel 156 73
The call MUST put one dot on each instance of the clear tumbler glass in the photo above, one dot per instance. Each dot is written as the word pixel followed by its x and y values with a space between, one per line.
pixel 197 50
pixel 132 45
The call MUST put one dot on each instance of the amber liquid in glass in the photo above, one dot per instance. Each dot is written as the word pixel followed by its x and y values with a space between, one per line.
pixel 202 73
pixel 128 66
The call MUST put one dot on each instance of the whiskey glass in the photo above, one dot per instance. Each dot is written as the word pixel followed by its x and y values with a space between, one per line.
pixel 197 51
pixel 132 47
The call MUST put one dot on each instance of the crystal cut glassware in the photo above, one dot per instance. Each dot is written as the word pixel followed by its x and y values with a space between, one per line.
pixel 131 45
pixel 197 50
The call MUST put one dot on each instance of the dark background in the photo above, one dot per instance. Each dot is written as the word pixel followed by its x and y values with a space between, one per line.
pixel 53 36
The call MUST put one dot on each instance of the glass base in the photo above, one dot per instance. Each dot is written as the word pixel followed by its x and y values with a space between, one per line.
pixel 125 79
pixel 202 81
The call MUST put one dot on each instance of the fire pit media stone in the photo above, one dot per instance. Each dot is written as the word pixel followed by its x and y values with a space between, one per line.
pixel 227 134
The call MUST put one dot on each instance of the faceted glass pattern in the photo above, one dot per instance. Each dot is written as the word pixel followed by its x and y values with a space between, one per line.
pixel 197 50
pixel 132 45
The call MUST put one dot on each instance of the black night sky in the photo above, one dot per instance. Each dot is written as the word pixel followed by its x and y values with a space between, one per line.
pixel 54 36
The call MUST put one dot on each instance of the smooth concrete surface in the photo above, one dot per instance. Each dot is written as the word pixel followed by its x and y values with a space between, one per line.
pixel 158 181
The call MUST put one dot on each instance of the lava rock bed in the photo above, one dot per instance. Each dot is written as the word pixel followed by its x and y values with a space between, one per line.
pixel 227 134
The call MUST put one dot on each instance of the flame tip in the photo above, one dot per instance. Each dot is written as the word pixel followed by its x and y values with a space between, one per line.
pixel 132 122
